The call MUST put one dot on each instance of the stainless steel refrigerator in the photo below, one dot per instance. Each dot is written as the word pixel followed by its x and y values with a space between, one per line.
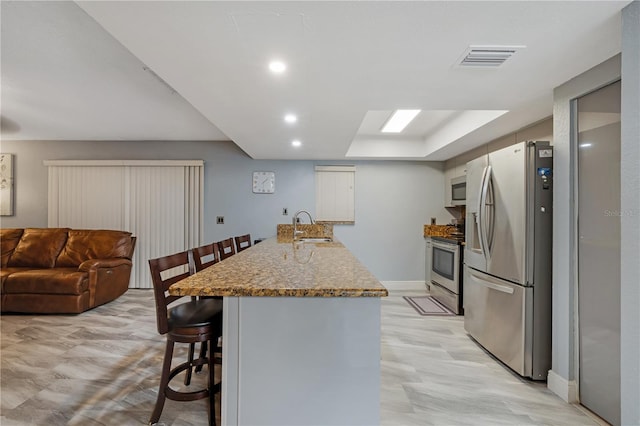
pixel 507 278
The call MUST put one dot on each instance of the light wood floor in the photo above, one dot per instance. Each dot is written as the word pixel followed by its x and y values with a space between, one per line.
pixel 102 368
pixel 433 373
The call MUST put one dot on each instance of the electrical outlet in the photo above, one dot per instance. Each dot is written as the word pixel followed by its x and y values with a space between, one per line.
pixel 220 220
pixel 285 212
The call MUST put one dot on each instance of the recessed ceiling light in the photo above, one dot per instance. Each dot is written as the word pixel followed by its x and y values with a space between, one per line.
pixel 399 120
pixel 290 118
pixel 296 143
pixel 277 66
pixel 585 145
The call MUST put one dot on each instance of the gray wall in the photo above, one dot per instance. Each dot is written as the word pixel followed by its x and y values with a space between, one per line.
pixel 630 221
pixel 393 199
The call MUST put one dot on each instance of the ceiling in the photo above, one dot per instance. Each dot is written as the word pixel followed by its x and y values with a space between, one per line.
pixel 127 70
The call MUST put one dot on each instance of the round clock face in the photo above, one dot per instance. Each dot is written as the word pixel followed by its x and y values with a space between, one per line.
pixel 264 182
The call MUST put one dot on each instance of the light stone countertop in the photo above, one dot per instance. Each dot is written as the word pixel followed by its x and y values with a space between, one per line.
pixel 274 268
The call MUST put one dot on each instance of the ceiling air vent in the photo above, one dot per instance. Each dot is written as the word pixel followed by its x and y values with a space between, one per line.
pixel 487 56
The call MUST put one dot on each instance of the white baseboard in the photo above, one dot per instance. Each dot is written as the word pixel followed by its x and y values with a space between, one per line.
pixel 405 285
pixel 565 389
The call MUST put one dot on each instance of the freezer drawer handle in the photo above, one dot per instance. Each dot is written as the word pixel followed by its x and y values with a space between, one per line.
pixel 502 288
pixel 494 286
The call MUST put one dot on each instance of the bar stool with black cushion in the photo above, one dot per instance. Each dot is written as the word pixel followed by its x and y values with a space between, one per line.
pixel 226 248
pixel 188 322
pixel 243 242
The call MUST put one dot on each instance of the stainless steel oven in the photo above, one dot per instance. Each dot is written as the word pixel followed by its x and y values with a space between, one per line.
pixel 446 273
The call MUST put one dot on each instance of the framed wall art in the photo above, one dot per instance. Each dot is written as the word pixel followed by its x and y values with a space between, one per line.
pixel 6 184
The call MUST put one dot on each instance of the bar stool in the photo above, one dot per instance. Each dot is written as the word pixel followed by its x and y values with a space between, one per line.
pixel 190 322
pixel 226 248
pixel 207 251
pixel 243 242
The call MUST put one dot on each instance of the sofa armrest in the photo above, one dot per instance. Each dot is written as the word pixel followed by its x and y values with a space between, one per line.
pixel 108 278
pixel 90 264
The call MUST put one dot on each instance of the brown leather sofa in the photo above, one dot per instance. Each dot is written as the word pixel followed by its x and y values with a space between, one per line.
pixel 60 270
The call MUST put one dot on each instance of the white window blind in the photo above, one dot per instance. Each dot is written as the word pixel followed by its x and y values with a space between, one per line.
pixel 335 194
pixel 159 202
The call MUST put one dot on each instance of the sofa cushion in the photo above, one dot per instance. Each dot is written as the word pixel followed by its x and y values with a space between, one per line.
pixel 5 272
pixel 47 281
pixel 85 244
pixel 39 247
pixel 9 239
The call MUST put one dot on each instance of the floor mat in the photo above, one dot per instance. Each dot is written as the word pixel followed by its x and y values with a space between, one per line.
pixel 427 305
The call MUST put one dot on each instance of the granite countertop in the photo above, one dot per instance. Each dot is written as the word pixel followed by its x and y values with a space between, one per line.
pixel 438 230
pixel 318 230
pixel 274 268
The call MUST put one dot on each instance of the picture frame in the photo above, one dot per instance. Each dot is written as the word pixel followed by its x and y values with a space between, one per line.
pixel 6 184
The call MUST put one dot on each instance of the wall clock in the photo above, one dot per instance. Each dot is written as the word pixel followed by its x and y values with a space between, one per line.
pixel 264 182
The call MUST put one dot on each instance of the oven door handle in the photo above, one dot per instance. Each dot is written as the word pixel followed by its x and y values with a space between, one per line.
pixel 444 246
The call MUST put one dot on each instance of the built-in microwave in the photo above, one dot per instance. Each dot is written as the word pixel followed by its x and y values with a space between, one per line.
pixel 459 191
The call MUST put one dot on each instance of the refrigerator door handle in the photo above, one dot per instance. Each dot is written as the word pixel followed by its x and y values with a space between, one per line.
pixel 484 240
pixel 477 216
pixel 489 203
pixel 487 281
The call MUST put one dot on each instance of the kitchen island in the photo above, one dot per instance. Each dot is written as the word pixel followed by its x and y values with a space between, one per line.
pixel 301 336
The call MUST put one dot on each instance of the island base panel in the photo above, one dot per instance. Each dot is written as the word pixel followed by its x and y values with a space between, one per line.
pixel 301 361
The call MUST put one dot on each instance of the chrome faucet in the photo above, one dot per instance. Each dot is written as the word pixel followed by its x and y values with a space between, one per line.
pixel 295 223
